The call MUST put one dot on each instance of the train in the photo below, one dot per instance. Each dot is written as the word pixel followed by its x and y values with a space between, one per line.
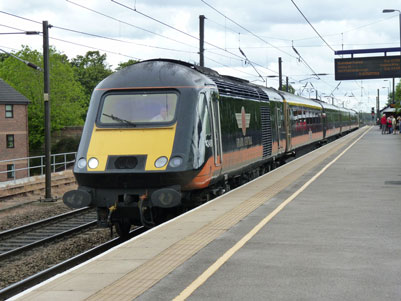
pixel 162 136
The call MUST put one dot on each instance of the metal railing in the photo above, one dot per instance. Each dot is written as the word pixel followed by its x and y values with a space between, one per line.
pixel 36 166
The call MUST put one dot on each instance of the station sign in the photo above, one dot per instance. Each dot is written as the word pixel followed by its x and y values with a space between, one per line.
pixel 368 67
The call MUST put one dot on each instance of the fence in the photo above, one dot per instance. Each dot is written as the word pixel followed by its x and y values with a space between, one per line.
pixel 36 166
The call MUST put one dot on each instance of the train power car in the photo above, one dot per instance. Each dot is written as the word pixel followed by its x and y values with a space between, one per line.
pixel 162 135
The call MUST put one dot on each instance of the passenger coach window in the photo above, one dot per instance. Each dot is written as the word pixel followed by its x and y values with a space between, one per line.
pixel 142 108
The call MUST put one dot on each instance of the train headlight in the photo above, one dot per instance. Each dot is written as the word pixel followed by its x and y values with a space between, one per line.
pixel 160 162
pixel 93 163
pixel 175 161
pixel 81 163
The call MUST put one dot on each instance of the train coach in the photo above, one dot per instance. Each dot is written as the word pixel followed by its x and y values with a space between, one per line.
pixel 163 135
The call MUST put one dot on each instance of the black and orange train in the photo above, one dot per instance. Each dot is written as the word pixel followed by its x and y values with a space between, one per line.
pixel 163 135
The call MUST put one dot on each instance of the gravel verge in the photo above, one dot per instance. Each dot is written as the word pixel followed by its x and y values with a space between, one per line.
pixel 29 213
pixel 27 264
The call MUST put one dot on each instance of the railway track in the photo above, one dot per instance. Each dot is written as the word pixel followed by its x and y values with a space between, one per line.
pixel 20 239
pixel 18 287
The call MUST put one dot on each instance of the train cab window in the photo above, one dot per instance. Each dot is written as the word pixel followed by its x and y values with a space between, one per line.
pixel 138 108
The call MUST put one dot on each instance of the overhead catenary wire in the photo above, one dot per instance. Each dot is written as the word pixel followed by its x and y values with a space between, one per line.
pixel 129 24
pixel 96 48
pixel 349 30
pixel 310 25
pixel 253 34
pixel 119 40
pixel 247 30
pixel 178 30
pixel 93 35
pixel 102 37
pixel 305 62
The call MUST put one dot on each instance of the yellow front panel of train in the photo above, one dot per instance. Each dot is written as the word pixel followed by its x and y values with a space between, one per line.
pixel 153 142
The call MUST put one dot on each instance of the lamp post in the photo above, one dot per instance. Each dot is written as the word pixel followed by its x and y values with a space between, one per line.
pixel 399 12
pixel 389 89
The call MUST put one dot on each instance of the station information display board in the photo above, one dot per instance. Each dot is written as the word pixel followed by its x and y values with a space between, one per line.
pixel 368 67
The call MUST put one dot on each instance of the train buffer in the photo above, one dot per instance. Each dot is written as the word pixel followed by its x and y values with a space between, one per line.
pixel 322 227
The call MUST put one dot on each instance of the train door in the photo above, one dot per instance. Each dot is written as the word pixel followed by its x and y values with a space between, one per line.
pixel 216 130
pixel 324 122
pixel 278 127
pixel 287 125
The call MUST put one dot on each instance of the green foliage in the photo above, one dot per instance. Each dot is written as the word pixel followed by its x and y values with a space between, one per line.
pixel 89 71
pixel 290 89
pixel 3 56
pixel 126 64
pixel 66 145
pixel 66 94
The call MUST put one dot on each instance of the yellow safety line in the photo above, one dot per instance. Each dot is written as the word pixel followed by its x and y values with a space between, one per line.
pixel 224 258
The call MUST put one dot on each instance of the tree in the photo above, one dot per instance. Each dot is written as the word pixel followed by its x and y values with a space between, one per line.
pixel 66 94
pixel 3 56
pixel 126 64
pixel 290 89
pixel 90 70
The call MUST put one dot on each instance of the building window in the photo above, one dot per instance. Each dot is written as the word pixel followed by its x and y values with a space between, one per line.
pixel 10 171
pixel 10 141
pixel 9 111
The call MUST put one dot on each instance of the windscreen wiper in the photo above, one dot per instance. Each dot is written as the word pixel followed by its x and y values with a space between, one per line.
pixel 119 119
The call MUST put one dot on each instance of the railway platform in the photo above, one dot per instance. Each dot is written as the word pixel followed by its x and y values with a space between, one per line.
pixel 325 226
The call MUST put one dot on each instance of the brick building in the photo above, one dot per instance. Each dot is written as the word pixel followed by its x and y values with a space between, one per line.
pixel 13 132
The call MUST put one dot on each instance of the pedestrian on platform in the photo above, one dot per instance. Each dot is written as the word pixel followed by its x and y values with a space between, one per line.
pixel 383 123
pixel 394 122
pixel 399 124
pixel 389 125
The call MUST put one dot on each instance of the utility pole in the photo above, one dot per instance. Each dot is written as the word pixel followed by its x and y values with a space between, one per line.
pixel 280 75
pixel 286 84
pixel 201 40
pixel 393 91
pixel 46 96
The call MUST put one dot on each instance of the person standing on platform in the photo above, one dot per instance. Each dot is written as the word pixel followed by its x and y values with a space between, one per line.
pixel 394 122
pixel 389 124
pixel 384 123
pixel 399 124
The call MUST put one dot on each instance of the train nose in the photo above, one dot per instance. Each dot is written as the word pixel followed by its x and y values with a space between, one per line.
pixel 166 198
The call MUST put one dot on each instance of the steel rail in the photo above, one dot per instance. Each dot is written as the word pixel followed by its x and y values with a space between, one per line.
pixel 23 230
pixel 41 222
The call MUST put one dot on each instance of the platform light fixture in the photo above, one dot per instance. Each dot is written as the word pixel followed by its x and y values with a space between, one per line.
pixel 392 11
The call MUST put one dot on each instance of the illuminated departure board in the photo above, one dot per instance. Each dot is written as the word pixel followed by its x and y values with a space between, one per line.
pixel 368 67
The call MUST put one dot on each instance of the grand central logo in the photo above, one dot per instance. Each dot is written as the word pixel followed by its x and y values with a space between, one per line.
pixel 243 120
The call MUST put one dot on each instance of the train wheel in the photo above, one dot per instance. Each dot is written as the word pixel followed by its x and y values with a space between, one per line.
pixel 122 228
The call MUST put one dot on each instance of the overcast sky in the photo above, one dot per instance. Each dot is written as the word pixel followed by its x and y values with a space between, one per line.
pixel 263 29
